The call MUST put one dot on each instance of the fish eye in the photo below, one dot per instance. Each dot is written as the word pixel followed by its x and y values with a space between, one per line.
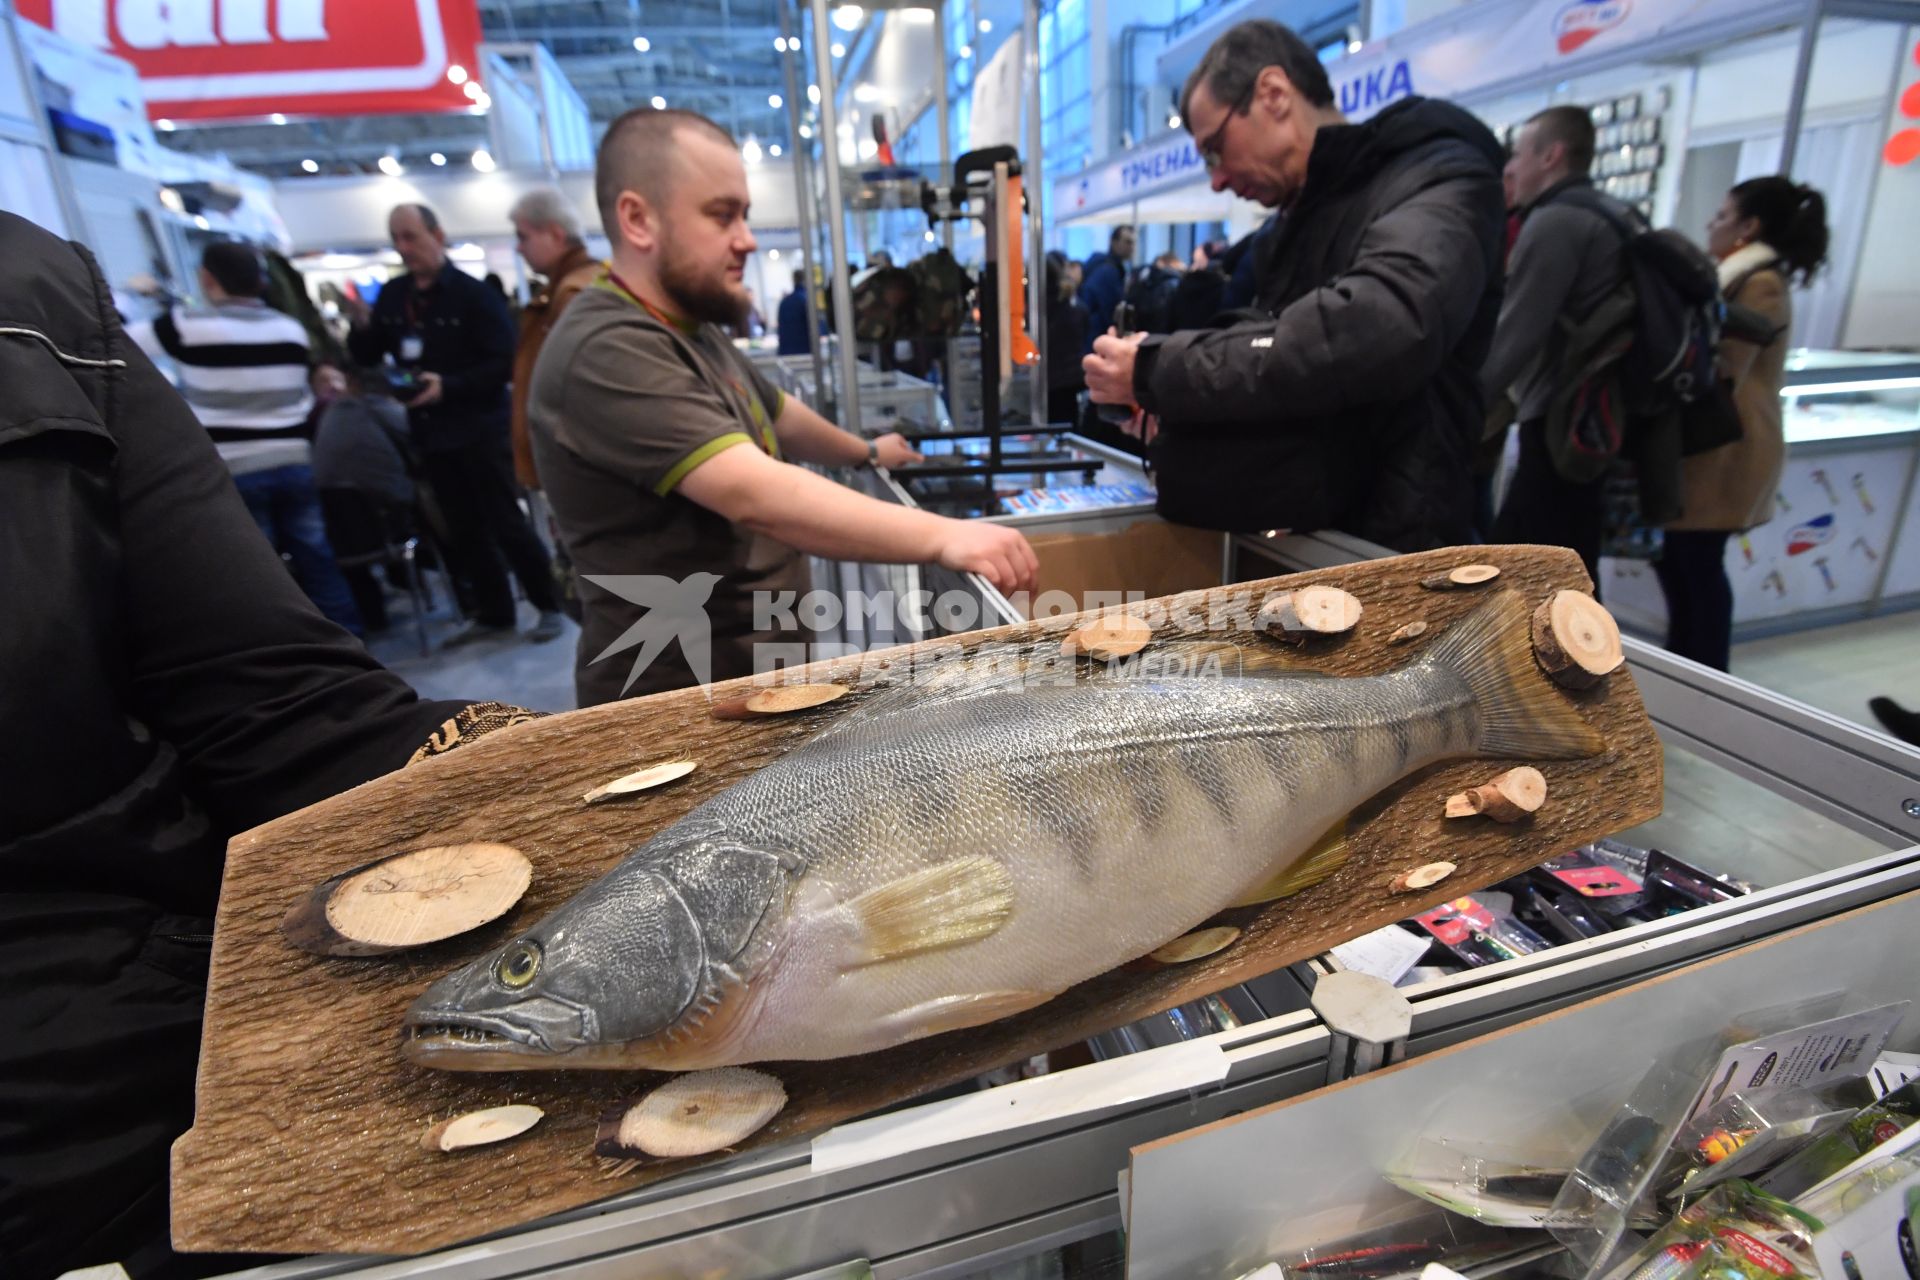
pixel 517 965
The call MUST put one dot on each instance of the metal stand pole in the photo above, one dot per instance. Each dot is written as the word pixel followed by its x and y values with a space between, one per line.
pixel 1797 97
pixel 847 408
pixel 1035 187
pixel 944 117
pixel 803 196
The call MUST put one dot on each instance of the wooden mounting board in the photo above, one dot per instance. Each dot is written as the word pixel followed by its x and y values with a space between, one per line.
pixel 308 1121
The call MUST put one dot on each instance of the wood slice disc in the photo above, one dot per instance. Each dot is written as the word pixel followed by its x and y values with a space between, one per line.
pixel 1195 945
pixel 1117 635
pixel 779 701
pixel 693 1115
pixel 1467 575
pixel 644 780
pixel 1576 640
pixel 482 1128
pixel 1422 877
pixel 1508 798
pixel 1325 611
pixel 408 900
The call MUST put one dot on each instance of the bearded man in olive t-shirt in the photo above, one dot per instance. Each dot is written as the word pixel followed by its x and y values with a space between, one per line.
pixel 665 454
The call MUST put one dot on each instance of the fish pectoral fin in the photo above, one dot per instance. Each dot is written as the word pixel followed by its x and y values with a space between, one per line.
pixel 1328 855
pixel 950 1013
pixel 954 902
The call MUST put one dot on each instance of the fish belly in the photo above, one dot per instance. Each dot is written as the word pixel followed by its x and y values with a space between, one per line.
pixel 1126 815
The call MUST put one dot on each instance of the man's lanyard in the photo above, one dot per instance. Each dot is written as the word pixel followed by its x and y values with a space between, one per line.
pixel 633 296
pixel 762 421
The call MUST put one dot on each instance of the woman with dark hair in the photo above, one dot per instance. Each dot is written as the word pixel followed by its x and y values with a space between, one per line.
pixel 1767 233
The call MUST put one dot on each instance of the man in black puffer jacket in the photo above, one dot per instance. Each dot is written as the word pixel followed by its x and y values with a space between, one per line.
pixel 164 684
pixel 1349 398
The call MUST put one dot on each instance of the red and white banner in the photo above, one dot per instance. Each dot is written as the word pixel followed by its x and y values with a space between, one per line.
pixel 232 59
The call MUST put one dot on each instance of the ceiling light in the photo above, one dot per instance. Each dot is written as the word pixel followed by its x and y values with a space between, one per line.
pixel 813 94
pixel 309 166
pixel 277 118
pixel 165 126
pixel 483 102
pixel 866 93
pixel 847 17
pixel 201 222
pixel 966 51
pixel 1353 46
pixel 659 103
pixel 869 148
pixel 1173 120
pixel 751 152
pixel 171 199
pixel 476 110
pixel 774 151
pixel 472 89
pixel 780 43
pixel 806 131
pixel 930 237
pixel 483 160
pixel 390 165
pixel 641 44
pixel 773 255
pixel 986 25
pixel 775 101
pixel 838 50
pixel 438 159
pixel 917 15
pixel 457 73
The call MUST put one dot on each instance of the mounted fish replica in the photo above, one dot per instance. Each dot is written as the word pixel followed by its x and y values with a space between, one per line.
pixel 934 862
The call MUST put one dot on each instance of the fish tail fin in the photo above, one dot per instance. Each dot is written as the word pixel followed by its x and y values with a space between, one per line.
pixel 1523 714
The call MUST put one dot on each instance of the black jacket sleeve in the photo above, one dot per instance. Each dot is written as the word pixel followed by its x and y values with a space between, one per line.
pixel 1374 334
pixel 486 363
pixel 370 344
pixel 271 706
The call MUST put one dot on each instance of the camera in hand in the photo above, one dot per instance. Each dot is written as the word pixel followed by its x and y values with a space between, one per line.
pixel 393 380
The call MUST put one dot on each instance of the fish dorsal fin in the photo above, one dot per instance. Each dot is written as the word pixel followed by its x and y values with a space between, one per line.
pixel 957 901
pixel 1328 855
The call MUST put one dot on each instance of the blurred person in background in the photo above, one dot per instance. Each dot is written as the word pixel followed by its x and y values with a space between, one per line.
pixel 242 369
pixel 453 334
pixel 1066 340
pixel 1105 283
pixel 363 469
pixel 1767 234
pixel 548 233
pixel 792 318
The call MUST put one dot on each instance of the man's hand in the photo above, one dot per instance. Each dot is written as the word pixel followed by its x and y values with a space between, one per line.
pixel 1110 368
pixel 893 451
pixel 995 552
pixel 359 314
pixel 430 391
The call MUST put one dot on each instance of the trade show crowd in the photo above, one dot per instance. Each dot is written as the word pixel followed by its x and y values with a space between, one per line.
pixel 1356 364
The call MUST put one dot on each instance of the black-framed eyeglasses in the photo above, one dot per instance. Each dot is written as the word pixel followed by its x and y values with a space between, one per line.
pixel 1209 146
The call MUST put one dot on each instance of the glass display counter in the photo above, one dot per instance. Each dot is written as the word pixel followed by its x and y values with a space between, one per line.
pixel 1844 542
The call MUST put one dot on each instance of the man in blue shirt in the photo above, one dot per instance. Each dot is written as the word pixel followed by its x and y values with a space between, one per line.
pixel 792 321
pixel 1106 282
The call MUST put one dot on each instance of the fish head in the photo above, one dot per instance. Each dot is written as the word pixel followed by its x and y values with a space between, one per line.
pixel 649 966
